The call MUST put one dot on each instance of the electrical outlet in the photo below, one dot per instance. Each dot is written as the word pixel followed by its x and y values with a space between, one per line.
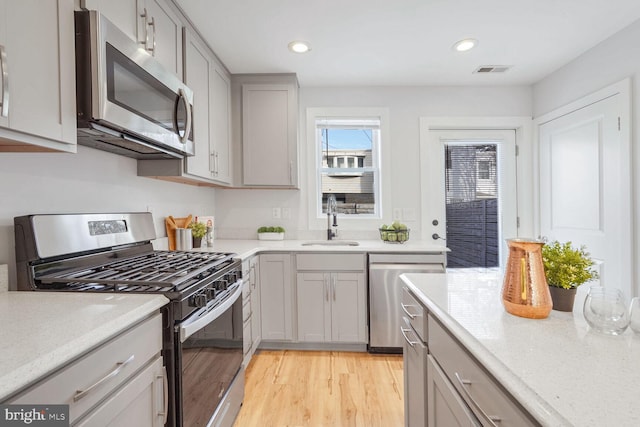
pixel 286 213
pixel 397 214
pixel 276 213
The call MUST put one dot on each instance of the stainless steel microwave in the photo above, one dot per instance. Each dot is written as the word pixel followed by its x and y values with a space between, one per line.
pixel 127 102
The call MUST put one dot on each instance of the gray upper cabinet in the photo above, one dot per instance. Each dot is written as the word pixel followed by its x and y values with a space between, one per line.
pixel 211 105
pixel 211 85
pixel 270 133
pixel 160 31
pixel 154 24
pixel 37 76
pixel 123 13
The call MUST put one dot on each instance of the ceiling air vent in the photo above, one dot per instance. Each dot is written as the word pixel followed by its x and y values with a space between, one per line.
pixel 492 68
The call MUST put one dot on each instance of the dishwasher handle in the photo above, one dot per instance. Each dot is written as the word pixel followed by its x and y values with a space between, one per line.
pixel 409 268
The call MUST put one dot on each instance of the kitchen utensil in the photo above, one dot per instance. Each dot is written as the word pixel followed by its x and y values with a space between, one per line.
pixel 606 310
pixel 171 224
pixel 525 292
pixel 184 239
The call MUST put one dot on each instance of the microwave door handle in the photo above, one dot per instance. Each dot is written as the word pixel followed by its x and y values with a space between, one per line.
pixel 187 107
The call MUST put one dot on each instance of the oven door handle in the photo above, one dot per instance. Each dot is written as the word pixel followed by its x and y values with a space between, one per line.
pixel 195 323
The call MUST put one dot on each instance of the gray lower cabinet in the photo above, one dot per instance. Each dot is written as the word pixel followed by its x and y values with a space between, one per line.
pixel 414 358
pixel 469 385
pixel 331 307
pixel 122 382
pixel 130 404
pixel 250 309
pixel 331 298
pixel 276 297
pixel 444 405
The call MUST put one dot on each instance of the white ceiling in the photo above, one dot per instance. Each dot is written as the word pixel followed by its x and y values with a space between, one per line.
pixel 406 42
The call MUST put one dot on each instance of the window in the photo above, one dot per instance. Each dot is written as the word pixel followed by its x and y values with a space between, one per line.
pixel 348 164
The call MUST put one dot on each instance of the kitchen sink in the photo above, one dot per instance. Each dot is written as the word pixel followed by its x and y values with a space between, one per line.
pixel 332 243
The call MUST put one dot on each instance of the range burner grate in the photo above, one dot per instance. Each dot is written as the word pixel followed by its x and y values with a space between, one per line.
pixel 157 271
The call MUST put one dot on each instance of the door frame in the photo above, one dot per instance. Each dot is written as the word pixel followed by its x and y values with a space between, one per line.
pixel 522 125
pixel 623 89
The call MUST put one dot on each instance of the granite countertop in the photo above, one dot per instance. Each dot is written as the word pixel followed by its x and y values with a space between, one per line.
pixel 44 331
pixel 248 248
pixel 562 372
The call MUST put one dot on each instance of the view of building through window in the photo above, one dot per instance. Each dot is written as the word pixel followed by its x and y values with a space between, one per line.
pixel 349 164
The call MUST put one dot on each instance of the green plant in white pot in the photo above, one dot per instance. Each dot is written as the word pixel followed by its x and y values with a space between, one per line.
pixel 270 233
pixel 566 267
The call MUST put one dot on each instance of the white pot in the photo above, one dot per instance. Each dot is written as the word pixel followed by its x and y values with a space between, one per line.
pixel 270 236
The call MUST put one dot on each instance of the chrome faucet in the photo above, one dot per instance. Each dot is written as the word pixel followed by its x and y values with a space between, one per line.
pixel 332 209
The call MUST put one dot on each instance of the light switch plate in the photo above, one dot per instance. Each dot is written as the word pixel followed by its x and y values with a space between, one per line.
pixel 397 214
pixel 276 213
pixel 409 214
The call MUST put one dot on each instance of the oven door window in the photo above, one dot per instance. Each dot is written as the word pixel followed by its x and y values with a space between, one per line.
pixel 211 358
pixel 134 89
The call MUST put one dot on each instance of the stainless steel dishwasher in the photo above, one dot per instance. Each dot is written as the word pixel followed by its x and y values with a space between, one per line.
pixel 385 294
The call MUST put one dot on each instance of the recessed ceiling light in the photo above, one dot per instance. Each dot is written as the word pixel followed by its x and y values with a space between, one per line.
pixel 299 47
pixel 465 45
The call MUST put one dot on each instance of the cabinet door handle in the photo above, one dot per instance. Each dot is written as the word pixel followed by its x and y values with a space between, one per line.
pixel 152 49
pixel 333 284
pixel 326 288
pixel 165 395
pixel 212 163
pixel 404 334
pixel 475 407
pixel 145 16
pixel 119 367
pixel 404 308
pixel 253 279
pixel 291 172
pixel 148 24
pixel 4 100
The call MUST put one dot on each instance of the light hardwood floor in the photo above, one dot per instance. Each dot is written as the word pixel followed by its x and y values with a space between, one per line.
pixel 322 388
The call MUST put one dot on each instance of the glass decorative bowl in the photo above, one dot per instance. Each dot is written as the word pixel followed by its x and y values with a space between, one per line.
pixel 634 315
pixel 606 310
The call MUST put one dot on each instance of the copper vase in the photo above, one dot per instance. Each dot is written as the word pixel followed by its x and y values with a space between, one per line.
pixel 525 292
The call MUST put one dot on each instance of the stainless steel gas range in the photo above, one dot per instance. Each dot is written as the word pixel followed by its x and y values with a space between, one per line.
pixel 202 335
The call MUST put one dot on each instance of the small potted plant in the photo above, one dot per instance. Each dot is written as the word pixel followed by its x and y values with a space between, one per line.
pixel 270 233
pixel 566 268
pixel 198 230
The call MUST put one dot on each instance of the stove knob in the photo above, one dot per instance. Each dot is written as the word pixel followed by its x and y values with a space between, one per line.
pixel 232 278
pixel 221 285
pixel 211 293
pixel 199 300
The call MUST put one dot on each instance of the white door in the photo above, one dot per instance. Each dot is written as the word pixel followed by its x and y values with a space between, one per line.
pixel 434 181
pixel 585 186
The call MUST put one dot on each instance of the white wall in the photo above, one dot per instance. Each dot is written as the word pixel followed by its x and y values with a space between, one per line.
pixel 89 181
pixel 243 211
pixel 609 62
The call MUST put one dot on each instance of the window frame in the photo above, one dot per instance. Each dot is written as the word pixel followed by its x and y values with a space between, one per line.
pixel 382 214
